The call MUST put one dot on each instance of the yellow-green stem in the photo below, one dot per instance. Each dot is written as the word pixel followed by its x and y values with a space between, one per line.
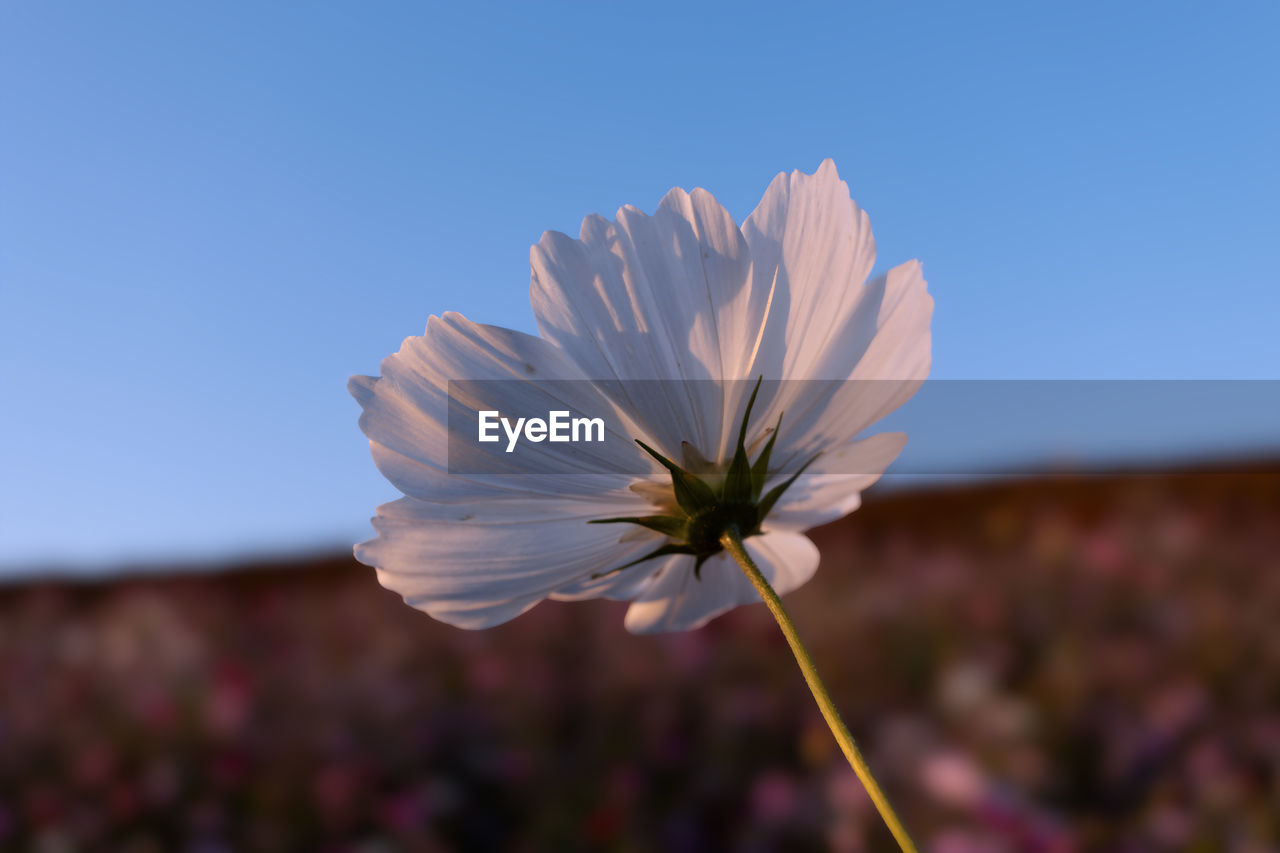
pixel 731 539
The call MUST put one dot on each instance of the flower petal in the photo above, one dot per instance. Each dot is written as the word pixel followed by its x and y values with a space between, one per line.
pixel 406 416
pixel 478 569
pixel 811 246
pixel 886 352
pixel 832 487
pixel 676 600
pixel 663 297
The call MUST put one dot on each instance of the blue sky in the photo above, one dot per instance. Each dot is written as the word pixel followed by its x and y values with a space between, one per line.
pixel 212 214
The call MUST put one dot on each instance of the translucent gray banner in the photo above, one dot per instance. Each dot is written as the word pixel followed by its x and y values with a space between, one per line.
pixel 953 427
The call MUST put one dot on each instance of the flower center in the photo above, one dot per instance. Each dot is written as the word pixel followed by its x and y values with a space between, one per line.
pixel 704 510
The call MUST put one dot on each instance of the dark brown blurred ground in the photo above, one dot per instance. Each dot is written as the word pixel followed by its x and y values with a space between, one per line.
pixel 1057 665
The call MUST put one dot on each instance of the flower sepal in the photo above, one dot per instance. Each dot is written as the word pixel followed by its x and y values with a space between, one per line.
pixel 707 509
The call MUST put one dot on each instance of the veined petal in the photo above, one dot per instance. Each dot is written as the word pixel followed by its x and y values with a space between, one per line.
pixel 676 600
pixel 901 346
pixel 619 585
pixel 476 570
pixel 406 415
pixel 663 297
pixel 832 486
pixel 811 246
pixel 886 353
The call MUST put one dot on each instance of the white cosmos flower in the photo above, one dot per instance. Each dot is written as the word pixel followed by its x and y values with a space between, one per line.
pixel 684 294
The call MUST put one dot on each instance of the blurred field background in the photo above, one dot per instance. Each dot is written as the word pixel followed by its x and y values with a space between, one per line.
pixel 1044 665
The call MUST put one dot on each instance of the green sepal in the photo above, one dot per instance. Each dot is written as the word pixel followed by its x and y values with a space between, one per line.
pixel 691 493
pixel 737 481
pixel 675 526
pixel 760 470
pixel 695 528
pixel 770 499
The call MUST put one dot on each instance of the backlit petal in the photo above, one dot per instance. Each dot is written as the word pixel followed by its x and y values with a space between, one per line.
pixel 662 297
pixel 475 570
pixel 811 246
pixel 832 486
pixel 406 416
pixel 676 600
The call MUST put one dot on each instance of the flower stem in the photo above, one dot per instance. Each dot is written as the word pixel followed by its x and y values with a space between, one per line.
pixel 731 539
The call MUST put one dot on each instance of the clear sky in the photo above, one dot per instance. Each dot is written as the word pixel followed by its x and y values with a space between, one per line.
pixel 211 214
